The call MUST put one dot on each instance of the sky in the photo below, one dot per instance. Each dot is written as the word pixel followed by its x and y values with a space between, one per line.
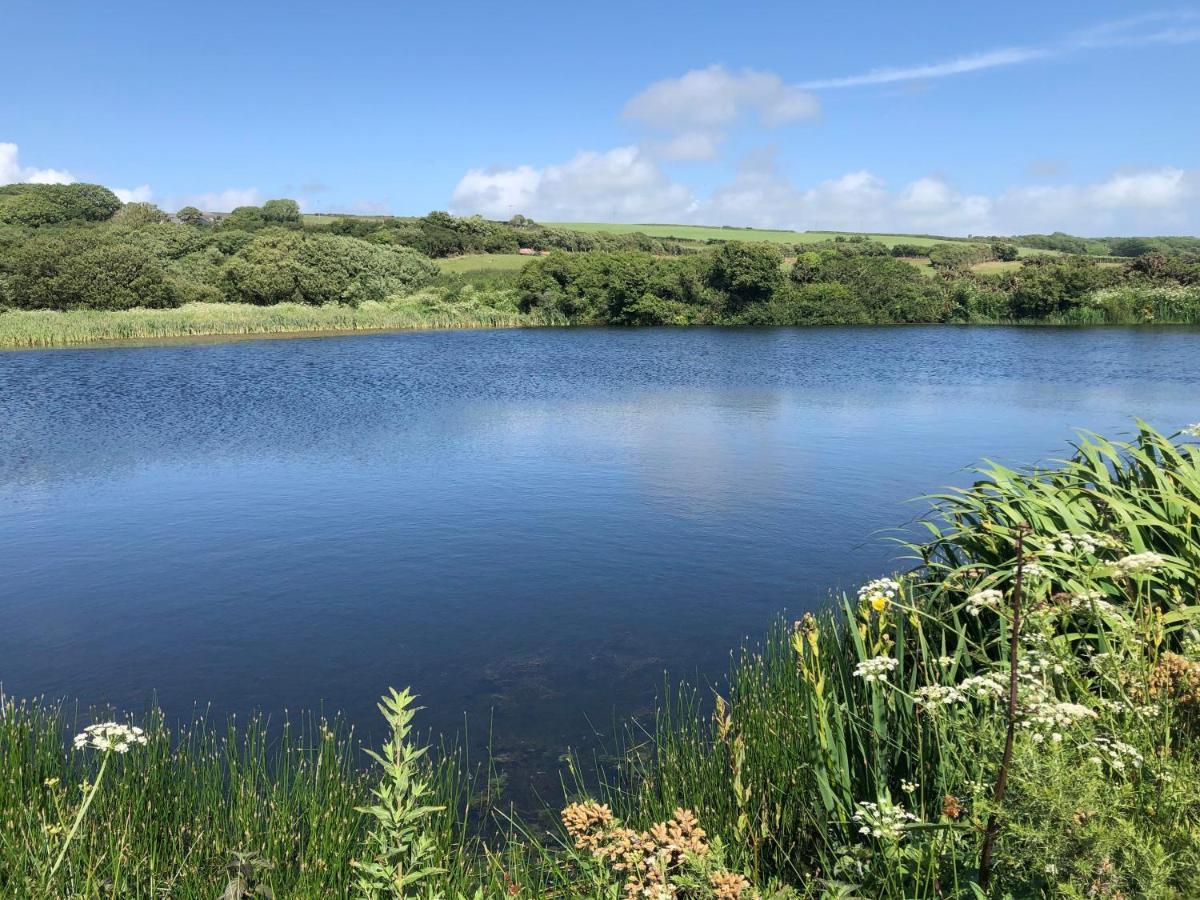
pixel 916 117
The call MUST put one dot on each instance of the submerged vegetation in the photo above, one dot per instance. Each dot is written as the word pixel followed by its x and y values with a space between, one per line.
pixel 1015 716
pixel 66 249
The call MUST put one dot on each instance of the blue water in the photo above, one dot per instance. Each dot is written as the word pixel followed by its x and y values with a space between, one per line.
pixel 528 527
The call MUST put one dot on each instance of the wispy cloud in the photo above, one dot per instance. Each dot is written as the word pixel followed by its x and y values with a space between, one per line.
pixel 1181 27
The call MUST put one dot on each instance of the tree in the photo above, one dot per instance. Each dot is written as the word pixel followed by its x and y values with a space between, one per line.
pixel 81 269
pixel 1132 246
pixel 285 266
pixel 281 212
pixel 189 215
pixel 1005 251
pixel 138 215
pixel 244 218
pixel 746 273
pixel 35 205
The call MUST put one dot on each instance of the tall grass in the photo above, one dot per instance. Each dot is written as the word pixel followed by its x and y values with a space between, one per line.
pixel 425 310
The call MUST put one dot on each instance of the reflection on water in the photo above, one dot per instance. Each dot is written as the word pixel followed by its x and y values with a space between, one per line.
pixel 529 525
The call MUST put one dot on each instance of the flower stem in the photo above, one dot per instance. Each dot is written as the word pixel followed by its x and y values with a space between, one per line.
pixel 993 823
pixel 87 801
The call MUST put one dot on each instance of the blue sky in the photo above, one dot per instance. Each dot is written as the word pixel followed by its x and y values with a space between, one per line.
pixel 918 117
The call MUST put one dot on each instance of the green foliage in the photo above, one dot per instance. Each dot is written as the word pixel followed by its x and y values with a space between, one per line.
pixel 286 266
pixel 281 213
pixel 401 855
pixel 745 274
pixel 1004 251
pixel 1047 286
pixel 190 215
pixel 86 270
pixel 244 218
pixel 138 215
pixel 36 205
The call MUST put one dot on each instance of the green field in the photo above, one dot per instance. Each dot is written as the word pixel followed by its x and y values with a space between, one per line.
pixel 484 262
pixel 779 236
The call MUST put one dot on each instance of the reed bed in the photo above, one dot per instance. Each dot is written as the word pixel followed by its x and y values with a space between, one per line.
pixel 1015 716
pixel 423 311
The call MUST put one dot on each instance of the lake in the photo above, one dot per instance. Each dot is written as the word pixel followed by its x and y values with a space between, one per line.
pixel 529 527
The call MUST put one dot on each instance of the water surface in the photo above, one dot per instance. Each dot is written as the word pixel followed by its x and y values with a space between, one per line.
pixel 525 525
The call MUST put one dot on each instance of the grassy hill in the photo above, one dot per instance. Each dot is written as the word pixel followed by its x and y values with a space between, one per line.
pixel 774 235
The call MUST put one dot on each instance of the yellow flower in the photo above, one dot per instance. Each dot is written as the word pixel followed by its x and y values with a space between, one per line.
pixel 879 603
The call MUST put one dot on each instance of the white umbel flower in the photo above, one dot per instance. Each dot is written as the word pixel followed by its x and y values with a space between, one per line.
pixel 110 736
pixel 877 668
pixel 1139 564
pixel 985 599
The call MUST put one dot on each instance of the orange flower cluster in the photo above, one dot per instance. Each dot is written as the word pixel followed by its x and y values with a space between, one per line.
pixel 647 860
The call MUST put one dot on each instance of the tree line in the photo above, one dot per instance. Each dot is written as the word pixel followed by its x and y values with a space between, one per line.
pixel 78 246
pixel 752 284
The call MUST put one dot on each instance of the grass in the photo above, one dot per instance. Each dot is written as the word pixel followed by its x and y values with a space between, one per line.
pixel 780 236
pixel 484 262
pixel 1045 640
pixel 422 311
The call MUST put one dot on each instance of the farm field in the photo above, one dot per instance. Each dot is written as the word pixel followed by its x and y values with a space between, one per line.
pixel 483 262
pixel 710 232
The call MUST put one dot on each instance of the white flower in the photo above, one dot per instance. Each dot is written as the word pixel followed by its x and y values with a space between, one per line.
pixel 984 687
pixel 108 736
pixel 909 787
pixel 1053 718
pixel 1116 754
pixel 1191 430
pixel 1032 571
pixel 1084 543
pixel 875 669
pixel 1138 564
pixel 945 661
pixel 985 599
pixel 931 696
pixel 884 820
pixel 879 593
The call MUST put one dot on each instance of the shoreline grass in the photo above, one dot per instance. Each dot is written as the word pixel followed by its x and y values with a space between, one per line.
pixel 28 329
pixel 427 311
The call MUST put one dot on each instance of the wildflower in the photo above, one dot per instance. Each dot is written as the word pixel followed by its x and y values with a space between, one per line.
pixel 884 820
pixel 875 669
pixel 909 787
pixel 1032 571
pixel 1138 564
pixel 108 736
pixel 951 807
pixel 1083 544
pixel 728 886
pixel 1116 754
pixel 879 593
pixel 984 687
pixel 985 599
pixel 1054 717
pixel 1191 430
pixel 931 696
pixel 945 661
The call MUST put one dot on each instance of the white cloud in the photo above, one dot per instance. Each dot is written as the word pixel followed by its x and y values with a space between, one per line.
pixel 220 201
pixel 139 194
pixel 973 63
pixel 12 172
pixel 1147 201
pixel 1180 27
pixel 690 145
pixel 621 185
pixel 714 98
pixel 627 185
